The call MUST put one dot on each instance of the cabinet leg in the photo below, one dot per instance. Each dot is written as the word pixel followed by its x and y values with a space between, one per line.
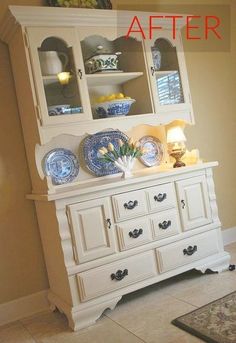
pixel 219 265
pixel 85 317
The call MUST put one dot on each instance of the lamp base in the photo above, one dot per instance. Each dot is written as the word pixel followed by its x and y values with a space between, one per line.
pixel 177 155
pixel 178 164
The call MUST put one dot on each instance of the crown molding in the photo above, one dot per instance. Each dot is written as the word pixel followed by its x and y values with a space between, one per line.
pixel 75 17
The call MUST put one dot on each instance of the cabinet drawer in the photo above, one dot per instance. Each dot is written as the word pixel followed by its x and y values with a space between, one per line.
pixel 165 224
pixel 161 197
pixel 105 279
pixel 187 251
pixel 129 205
pixel 134 233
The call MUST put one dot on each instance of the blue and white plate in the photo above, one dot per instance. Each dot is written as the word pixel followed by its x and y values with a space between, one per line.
pixel 62 165
pixel 93 143
pixel 154 153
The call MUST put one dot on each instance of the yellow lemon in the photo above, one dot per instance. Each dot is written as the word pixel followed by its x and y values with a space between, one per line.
pixel 101 99
pixel 111 97
pixel 120 96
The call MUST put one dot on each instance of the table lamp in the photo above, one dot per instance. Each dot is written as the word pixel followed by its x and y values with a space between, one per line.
pixel 176 145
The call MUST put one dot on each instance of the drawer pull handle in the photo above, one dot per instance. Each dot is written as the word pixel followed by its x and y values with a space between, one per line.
pixel 190 250
pixel 164 225
pixel 160 197
pixel 119 275
pixel 80 73
pixel 131 205
pixel 109 223
pixel 136 233
pixel 183 204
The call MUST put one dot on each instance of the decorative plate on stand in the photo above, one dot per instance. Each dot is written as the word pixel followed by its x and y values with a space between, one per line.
pixel 91 146
pixel 62 165
pixel 154 153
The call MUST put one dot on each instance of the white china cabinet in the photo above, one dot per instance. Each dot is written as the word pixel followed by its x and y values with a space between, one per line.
pixel 104 237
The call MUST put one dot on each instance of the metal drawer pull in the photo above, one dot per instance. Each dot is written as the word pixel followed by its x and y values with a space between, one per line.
pixel 183 204
pixel 190 250
pixel 119 275
pixel 131 205
pixel 109 223
pixel 136 233
pixel 80 73
pixel 164 225
pixel 160 197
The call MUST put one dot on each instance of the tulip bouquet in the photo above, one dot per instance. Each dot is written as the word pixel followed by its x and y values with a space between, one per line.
pixel 123 157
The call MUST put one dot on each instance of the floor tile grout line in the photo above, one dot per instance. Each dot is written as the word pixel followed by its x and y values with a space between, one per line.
pixel 124 328
pixel 26 329
pixel 186 302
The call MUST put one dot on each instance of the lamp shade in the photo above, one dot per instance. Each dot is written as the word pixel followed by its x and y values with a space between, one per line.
pixel 175 134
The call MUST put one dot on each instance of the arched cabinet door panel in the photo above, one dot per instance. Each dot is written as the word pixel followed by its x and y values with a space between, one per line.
pixel 168 76
pixel 59 75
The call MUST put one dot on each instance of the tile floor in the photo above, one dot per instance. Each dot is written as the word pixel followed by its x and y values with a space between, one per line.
pixel 143 316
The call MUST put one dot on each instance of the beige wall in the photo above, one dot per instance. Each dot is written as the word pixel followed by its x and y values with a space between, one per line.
pixel 22 269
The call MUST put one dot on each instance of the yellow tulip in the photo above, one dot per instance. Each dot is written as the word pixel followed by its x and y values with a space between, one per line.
pixel 110 147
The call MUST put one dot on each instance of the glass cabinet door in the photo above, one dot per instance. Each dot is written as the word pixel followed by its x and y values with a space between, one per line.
pixel 168 76
pixel 59 75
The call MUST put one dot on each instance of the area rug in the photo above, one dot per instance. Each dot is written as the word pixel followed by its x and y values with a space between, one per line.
pixel 214 322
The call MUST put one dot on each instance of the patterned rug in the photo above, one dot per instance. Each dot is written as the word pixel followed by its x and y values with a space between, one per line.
pixel 214 322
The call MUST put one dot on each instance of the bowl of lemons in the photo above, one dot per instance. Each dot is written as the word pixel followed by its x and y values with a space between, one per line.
pixel 112 105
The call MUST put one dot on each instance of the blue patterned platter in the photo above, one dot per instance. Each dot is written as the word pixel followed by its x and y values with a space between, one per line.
pixel 154 153
pixel 62 165
pixel 93 143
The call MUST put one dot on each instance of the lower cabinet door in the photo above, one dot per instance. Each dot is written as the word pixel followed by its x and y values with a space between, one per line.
pixel 194 202
pixel 92 229
pixel 108 278
pixel 186 251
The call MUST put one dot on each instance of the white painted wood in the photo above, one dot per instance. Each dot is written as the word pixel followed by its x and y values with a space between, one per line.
pixel 172 256
pixel 23 307
pixel 169 219
pixel 161 197
pixel 80 246
pixel 139 267
pixel 111 78
pixel 129 205
pixel 92 229
pixel 133 233
pixel 194 202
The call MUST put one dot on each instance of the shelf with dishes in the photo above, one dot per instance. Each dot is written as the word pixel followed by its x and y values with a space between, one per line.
pixel 78 160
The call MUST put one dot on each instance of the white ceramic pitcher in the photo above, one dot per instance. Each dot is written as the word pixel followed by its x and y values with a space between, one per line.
pixel 52 62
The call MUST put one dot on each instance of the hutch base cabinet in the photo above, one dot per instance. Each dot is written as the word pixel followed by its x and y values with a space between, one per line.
pixel 103 242
pixel 104 237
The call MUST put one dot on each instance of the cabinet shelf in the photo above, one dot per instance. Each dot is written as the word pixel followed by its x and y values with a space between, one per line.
pixel 111 78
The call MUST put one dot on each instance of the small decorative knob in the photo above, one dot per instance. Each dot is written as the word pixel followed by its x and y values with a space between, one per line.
pixel 136 233
pixel 131 205
pixel 119 275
